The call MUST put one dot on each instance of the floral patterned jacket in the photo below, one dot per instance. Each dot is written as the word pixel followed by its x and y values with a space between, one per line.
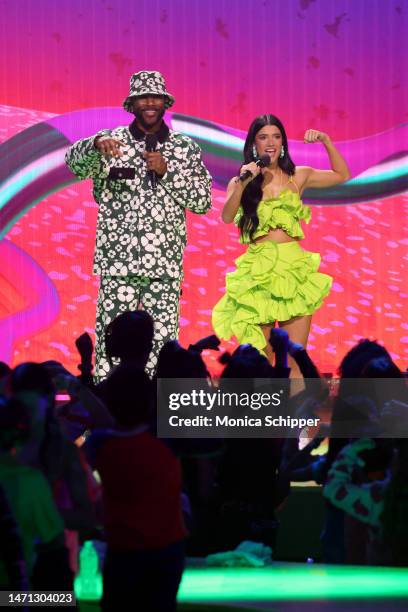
pixel 141 231
pixel 364 501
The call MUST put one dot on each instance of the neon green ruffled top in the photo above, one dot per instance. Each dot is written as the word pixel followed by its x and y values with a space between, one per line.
pixel 285 212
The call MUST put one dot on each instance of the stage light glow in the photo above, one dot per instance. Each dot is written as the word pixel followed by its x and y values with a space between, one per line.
pixel 30 173
pixel 201 132
pixel 282 581
pixel 292 582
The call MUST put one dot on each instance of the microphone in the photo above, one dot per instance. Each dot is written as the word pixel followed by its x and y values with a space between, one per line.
pixel 263 161
pixel 151 145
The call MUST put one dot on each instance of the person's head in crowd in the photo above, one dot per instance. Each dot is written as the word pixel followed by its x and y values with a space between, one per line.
pixel 177 362
pixel 5 372
pixel 14 424
pixel 246 362
pixel 34 377
pixel 129 337
pixel 381 367
pixel 244 366
pixel 32 384
pixel 369 361
pixel 388 387
pixel 354 362
pixel 358 405
pixel 129 396
pixel 360 400
pixel 394 516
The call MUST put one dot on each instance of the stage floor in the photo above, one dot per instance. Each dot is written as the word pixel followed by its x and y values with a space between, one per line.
pixel 290 587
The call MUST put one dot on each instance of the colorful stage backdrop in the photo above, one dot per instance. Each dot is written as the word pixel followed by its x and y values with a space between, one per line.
pixel 333 65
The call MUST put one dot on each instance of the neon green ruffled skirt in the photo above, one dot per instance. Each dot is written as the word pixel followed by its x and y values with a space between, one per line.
pixel 272 282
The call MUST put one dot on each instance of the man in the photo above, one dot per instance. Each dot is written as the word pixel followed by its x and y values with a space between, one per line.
pixel 142 499
pixel 142 196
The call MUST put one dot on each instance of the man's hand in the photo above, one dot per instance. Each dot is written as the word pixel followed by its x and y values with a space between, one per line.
pixel 156 162
pixel 108 147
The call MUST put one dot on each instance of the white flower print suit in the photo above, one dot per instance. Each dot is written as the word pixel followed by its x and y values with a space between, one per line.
pixel 141 232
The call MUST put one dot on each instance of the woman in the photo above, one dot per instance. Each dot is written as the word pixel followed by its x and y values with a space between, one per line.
pixel 48 449
pixel 275 279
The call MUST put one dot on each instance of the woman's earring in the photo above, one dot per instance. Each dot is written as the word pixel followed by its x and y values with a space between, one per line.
pixel 282 153
pixel 254 152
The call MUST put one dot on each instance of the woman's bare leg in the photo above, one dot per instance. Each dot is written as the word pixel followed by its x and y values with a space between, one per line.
pixel 298 329
pixel 268 349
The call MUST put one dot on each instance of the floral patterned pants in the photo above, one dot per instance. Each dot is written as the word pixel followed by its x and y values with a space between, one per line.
pixel 117 294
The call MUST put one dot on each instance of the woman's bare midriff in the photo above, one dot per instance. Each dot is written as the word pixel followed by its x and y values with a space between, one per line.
pixel 277 235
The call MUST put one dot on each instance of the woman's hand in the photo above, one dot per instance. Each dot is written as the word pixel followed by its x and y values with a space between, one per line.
pixel 312 136
pixel 253 169
pixel 234 192
pixel 321 179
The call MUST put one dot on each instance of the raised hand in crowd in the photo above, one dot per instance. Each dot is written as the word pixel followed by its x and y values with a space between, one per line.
pixel 279 341
pixel 85 407
pixel 209 342
pixel 85 349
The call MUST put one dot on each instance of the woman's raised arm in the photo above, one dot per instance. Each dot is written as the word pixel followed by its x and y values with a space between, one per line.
pixel 313 178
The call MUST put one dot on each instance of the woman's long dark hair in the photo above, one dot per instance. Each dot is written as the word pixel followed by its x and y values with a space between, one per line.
pixel 252 194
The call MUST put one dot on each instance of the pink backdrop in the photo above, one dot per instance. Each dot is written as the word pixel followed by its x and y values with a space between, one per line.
pixel 337 66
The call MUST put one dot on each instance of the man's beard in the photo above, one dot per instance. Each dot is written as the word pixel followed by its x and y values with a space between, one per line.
pixel 148 126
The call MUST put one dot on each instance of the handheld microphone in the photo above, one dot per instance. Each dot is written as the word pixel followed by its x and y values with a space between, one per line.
pixel 151 145
pixel 263 161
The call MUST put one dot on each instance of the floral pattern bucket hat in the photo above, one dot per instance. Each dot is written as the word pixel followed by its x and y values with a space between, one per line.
pixel 147 82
